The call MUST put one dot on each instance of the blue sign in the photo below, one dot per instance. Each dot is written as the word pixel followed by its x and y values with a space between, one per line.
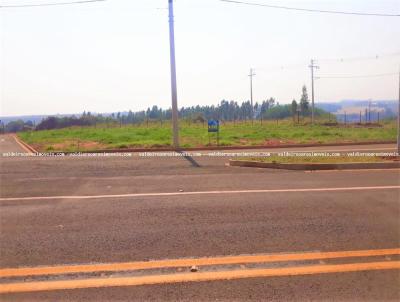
pixel 213 126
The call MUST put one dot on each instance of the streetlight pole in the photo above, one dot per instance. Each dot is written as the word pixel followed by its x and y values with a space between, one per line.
pixel 175 127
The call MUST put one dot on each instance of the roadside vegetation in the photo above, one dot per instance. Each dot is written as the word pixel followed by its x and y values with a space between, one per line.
pixel 194 134
pixel 264 124
pixel 224 111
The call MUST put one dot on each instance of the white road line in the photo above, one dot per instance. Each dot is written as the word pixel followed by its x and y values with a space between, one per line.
pixel 306 149
pixel 200 193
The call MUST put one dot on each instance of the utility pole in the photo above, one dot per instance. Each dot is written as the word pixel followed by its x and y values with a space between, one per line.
pixel 175 127
pixel 366 115
pixel 312 67
pixel 251 75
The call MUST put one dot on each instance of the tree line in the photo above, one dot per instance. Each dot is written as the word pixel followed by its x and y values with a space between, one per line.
pixel 225 111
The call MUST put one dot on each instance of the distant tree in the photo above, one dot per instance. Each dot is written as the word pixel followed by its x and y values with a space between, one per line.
pixel 304 101
pixel 130 118
pixel 15 126
pixel 168 114
pixel 294 109
pixel 271 103
pixel 154 113
pixel 266 105
pixel 278 112
pixel 48 123
pixel 29 123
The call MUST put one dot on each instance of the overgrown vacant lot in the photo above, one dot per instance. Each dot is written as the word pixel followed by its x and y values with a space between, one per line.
pixel 196 135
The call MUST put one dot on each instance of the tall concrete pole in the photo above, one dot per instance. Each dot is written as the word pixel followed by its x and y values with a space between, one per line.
pixel 175 126
pixel 312 91
pixel 251 75
pixel 312 66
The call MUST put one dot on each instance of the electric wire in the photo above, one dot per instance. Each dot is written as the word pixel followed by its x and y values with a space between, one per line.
pixel 356 76
pixel 309 10
pixel 51 4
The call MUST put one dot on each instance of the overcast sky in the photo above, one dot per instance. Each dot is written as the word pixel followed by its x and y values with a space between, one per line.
pixel 114 55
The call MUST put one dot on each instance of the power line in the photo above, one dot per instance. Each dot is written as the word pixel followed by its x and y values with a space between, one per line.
pixel 311 10
pixel 352 59
pixel 51 4
pixel 283 67
pixel 357 76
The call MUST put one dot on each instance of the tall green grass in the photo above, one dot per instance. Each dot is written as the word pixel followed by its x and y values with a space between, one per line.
pixel 196 135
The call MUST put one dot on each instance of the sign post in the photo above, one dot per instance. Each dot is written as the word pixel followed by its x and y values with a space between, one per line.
pixel 213 127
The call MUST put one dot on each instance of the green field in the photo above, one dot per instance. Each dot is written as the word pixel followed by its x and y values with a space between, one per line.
pixel 155 135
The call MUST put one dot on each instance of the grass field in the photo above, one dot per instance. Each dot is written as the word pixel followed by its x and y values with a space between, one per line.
pixel 196 135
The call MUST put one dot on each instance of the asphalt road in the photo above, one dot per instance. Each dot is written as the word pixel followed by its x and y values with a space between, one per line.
pixel 154 225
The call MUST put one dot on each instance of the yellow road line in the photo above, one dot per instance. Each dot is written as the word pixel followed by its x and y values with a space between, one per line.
pixel 142 265
pixel 195 277
pixel 299 190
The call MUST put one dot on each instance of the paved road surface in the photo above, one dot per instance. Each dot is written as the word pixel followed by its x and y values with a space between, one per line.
pixel 104 229
pixel 9 144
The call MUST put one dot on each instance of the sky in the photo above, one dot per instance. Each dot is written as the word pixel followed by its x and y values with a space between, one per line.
pixel 114 55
